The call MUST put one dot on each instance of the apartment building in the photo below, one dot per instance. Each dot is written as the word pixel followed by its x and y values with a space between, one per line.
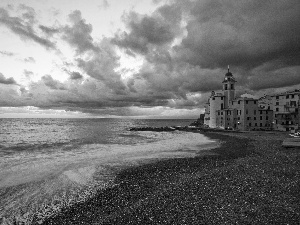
pixel 286 110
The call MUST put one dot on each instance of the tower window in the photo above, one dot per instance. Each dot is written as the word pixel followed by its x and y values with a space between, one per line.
pixel 225 86
pixel 232 86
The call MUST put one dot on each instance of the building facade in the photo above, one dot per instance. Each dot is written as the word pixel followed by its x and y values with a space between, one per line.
pixel 270 112
pixel 286 110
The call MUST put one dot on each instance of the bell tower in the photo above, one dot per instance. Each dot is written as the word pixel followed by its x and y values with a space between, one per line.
pixel 228 88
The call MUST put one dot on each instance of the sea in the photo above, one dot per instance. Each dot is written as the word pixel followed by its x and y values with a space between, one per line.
pixel 49 164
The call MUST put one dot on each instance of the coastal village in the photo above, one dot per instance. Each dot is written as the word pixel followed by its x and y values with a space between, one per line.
pixel 224 110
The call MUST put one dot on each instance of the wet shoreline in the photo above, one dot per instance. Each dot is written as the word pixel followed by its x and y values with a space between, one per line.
pixel 136 185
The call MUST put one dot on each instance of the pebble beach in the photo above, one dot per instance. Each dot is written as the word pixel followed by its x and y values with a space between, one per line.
pixel 249 179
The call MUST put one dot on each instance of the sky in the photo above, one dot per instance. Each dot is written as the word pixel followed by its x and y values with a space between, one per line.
pixel 141 58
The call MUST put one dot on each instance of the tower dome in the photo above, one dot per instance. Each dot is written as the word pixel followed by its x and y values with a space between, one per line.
pixel 228 77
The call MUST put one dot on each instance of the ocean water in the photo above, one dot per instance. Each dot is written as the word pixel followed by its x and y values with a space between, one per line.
pixel 48 164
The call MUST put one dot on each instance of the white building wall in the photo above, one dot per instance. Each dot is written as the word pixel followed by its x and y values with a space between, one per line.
pixel 216 103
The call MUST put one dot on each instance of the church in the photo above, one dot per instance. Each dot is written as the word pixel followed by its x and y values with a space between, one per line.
pixel 226 111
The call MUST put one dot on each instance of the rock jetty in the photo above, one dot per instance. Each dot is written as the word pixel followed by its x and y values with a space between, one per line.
pixel 160 129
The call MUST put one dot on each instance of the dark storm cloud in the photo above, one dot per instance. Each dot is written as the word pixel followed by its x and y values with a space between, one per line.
pixel 4 80
pixel 274 79
pixel 101 64
pixel 53 84
pixel 23 26
pixel 256 38
pixel 79 34
pixel 242 33
pixel 185 48
pixel 155 30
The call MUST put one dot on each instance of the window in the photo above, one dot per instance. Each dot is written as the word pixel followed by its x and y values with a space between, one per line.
pixel 293 103
pixel 239 102
pixel 287 97
pixel 254 102
pixel 238 118
pixel 213 98
pixel 222 114
pixel 256 124
pixel 260 117
pixel 246 101
pixel 254 112
pixel 254 118
pixel 261 112
pixel 277 109
pixel 277 103
pixel 277 97
pixel 225 87
pixel 293 96
pixel 248 118
pixel 246 111
pixel 218 113
pixel 267 117
pixel 249 124
pixel 232 86
pixel 260 124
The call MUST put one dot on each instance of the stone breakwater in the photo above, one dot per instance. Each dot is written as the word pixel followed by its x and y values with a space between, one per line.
pixel 160 129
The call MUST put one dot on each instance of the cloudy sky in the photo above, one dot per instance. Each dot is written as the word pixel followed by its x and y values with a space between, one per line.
pixel 141 58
